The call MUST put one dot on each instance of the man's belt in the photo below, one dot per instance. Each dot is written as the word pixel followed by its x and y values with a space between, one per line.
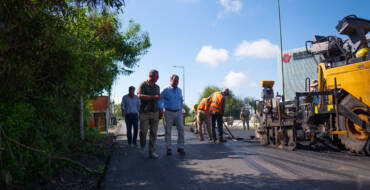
pixel 171 110
pixel 131 113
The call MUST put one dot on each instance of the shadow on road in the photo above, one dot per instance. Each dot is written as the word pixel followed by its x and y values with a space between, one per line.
pixel 129 169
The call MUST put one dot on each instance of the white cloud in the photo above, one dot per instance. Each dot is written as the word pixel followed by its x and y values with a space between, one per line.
pixel 234 79
pixel 212 56
pixel 238 79
pixel 231 5
pixel 261 49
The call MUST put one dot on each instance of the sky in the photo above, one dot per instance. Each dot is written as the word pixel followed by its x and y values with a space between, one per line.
pixel 226 43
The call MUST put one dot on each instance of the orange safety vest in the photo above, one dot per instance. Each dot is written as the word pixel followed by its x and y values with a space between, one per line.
pixel 204 104
pixel 216 102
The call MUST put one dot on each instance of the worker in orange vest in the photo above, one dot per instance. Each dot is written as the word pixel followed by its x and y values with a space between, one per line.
pixel 204 119
pixel 216 109
pixel 195 129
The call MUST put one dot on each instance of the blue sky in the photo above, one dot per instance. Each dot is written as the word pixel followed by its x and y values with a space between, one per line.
pixel 227 43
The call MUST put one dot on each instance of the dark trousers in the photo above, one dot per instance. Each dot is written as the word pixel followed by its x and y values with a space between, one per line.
pixel 217 117
pixel 246 120
pixel 131 120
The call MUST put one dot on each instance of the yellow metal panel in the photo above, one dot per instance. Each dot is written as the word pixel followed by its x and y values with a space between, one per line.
pixel 362 52
pixel 330 107
pixel 267 83
pixel 354 78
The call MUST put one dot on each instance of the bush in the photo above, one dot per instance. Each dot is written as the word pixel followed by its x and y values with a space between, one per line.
pixel 53 52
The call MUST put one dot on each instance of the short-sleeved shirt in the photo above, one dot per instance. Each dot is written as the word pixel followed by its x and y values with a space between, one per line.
pixel 148 105
pixel 171 98
pixel 130 104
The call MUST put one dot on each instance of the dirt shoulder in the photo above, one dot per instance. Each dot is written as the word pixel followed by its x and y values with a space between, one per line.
pixel 75 177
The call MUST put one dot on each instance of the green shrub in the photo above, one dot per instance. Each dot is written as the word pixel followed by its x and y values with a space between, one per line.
pixel 53 52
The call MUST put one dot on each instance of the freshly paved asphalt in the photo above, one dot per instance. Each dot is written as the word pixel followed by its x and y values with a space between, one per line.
pixel 233 165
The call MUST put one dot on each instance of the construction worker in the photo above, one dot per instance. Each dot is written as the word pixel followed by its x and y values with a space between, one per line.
pixel 203 119
pixel 244 116
pixel 195 130
pixel 216 109
pixel 314 88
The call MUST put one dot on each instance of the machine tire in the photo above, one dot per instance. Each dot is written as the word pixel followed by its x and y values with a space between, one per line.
pixel 360 146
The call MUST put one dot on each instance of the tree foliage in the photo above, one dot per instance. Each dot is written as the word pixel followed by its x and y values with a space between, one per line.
pixel 186 108
pixel 117 111
pixel 53 52
pixel 251 102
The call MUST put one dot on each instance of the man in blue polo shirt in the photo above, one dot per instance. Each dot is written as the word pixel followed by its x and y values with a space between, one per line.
pixel 171 104
pixel 130 108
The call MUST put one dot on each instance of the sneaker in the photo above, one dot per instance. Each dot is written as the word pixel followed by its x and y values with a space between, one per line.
pixel 153 155
pixel 169 152
pixel 215 140
pixel 181 151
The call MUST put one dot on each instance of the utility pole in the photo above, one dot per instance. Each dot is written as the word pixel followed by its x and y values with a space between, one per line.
pixel 281 53
pixel 183 81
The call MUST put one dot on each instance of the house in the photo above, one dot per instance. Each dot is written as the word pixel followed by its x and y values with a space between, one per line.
pixel 101 112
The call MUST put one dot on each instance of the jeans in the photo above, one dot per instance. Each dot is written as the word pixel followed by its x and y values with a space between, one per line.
pixel 217 117
pixel 131 120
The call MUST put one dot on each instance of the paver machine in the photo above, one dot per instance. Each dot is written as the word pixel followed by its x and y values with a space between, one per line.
pixel 339 109
pixel 277 118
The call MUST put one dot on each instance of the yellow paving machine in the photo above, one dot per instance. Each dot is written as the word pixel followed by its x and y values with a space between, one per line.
pixel 338 111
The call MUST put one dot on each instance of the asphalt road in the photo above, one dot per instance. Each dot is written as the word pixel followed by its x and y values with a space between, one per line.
pixel 233 165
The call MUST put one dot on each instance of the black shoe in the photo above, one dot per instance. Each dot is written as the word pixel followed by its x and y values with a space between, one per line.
pixel 169 152
pixel 181 151
pixel 215 140
pixel 222 140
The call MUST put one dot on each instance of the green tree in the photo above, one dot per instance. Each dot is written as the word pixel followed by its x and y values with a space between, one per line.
pixel 187 109
pixel 208 91
pixel 117 110
pixel 53 52
pixel 251 101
